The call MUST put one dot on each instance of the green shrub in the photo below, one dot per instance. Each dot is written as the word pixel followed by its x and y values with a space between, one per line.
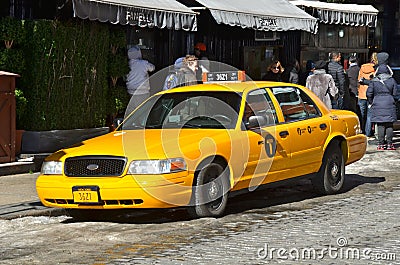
pixel 68 73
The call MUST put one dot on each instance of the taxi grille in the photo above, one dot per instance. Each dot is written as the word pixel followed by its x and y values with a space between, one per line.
pixel 94 166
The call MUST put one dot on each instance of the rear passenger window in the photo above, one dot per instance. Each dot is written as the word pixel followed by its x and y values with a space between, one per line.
pixel 295 104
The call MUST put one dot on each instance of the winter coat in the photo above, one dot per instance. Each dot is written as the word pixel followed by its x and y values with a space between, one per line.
pixel 186 77
pixel 270 76
pixel 367 72
pixel 138 77
pixel 380 93
pixel 352 75
pixel 291 75
pixel 337 72
pixel 323 85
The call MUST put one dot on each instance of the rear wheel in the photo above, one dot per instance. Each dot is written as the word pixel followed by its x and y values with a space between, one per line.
pixel 210 192
pixel 330 177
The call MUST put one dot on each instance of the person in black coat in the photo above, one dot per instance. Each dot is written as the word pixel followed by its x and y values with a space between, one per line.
pixel 274 72
pixel 381 95
pixel 352 75
pixel 335 69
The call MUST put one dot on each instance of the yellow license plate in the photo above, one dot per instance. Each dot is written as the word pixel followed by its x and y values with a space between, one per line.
pixel 85 195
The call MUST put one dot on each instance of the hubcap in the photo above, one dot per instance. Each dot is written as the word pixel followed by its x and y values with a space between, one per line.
pixel 213 190
pixel 334 170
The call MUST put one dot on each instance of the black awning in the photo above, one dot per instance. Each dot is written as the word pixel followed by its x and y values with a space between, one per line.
pixel 143 13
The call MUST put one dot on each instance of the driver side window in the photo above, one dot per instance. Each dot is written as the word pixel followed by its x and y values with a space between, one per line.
pixel 259 106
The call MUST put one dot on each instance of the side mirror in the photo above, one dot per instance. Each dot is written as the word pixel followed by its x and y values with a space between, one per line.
pixel 255 122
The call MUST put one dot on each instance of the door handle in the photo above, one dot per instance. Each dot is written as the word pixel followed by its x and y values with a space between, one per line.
pixel 323 126
pixel 283 134
pixel 260 142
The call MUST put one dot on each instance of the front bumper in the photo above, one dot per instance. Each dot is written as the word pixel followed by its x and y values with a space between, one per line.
pixel 129 191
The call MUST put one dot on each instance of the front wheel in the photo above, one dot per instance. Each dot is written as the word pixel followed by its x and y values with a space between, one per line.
pixel 330 177
pixel 210 192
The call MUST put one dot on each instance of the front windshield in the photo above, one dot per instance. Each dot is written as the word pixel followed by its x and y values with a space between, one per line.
pixel 215 110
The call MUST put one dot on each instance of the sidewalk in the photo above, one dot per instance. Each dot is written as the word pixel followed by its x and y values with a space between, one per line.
pixel 18 195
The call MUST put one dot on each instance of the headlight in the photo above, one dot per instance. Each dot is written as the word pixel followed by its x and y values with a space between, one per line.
pixel 157 166
pixel 51 168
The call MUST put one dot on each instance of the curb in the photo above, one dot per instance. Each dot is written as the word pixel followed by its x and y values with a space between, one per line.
pixel 33 208
pixel 28 163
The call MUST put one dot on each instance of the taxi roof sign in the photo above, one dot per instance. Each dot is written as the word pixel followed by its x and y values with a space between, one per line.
pixel 226 76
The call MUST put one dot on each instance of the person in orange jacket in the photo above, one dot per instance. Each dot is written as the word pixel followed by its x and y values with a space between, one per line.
pixel 367 72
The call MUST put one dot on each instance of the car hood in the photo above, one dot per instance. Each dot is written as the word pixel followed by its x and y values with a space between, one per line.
pixel 148 144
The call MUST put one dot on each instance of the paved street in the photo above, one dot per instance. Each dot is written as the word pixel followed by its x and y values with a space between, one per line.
pixel 286 225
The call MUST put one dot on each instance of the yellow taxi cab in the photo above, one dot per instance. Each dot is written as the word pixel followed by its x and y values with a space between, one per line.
pixel 195 146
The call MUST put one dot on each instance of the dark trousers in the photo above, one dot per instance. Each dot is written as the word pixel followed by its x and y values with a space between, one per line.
pixel 365 117
pixel 385 128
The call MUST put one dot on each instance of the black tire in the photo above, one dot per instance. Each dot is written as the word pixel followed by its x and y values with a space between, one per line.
pixel 210 192
pixel 330 177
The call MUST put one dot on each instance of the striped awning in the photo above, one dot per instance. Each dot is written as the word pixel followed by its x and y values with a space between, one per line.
pixel 266 15
pixel 344 14
pixel 143 13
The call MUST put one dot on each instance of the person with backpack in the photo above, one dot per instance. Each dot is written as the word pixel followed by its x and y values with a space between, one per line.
pixel 171 80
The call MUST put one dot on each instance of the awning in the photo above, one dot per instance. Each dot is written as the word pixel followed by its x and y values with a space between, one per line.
pixel 267 15
pixel 345 14
pixel 143 13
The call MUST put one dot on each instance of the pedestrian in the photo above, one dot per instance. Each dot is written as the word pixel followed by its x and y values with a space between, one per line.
pixel 322 84
pixel 187 73
pixel 367 71
pixel 137 83
pixel 291 73
pixel 274 72
pixel 335 69
pixel 171 80
pixel 381 94
pixel 200 51
pixel 352 75
pixel 310 66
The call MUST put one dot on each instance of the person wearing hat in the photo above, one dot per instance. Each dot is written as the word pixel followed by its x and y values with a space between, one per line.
pixel 322 84
pixel 200 51
pixel 137 81
pixel 381 93
pixel 171 80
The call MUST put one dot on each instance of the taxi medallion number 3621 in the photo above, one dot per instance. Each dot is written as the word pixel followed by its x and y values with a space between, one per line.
pixel 85 195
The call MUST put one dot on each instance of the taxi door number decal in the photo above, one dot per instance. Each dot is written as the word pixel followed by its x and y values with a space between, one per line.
pixel 309 129
pixel 270 145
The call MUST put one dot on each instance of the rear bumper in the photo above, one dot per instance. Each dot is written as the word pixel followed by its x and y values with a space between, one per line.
pixel 118 193
pixel 357 145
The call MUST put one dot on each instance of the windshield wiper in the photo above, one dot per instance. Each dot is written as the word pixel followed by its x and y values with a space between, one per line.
pixel 188 125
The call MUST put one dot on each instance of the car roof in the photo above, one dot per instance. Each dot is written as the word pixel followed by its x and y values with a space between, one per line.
pixel 227 86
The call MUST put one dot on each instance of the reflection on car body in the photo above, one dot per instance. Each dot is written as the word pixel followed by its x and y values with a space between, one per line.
pixel 194 146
